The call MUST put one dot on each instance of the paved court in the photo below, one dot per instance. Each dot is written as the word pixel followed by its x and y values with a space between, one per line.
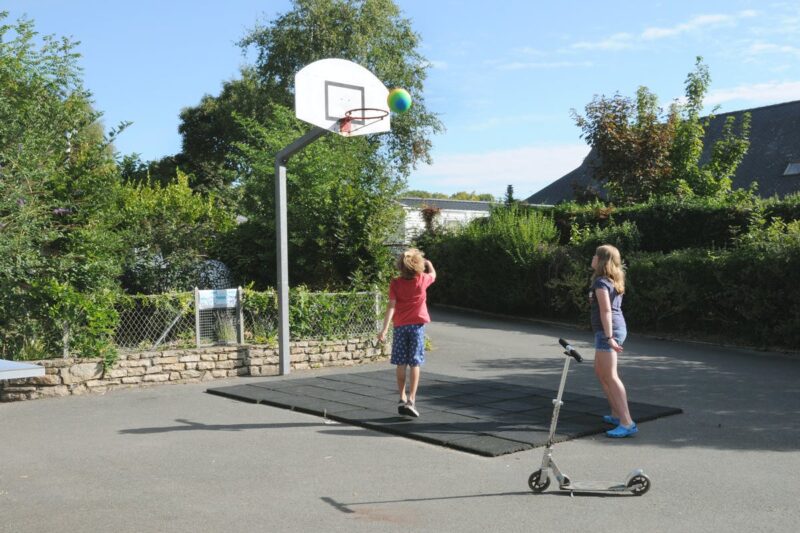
pixel 480 416
pixel 176 459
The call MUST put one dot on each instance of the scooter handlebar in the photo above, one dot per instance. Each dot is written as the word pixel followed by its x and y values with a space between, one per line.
pixel 570 351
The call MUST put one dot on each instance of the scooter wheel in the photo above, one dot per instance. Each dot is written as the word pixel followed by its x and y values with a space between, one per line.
pixel 536 483
pixel 639 484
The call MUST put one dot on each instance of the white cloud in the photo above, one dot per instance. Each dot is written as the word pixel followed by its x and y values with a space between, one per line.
pixel 528 169
pixel 529 65
pixel 695 23
pixel 620 41
pixel 757 93
pixel 506 121
pixel 770 48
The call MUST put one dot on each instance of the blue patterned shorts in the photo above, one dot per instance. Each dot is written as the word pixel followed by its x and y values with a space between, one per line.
pixel 408 345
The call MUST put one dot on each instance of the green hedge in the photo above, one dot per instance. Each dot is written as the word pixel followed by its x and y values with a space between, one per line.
pixel 671 224
pixel 747 293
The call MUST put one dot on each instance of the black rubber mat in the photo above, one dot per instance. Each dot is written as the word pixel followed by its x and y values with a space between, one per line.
pixel 483 417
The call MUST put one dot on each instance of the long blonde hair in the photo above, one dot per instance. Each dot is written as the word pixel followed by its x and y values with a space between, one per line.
pixel 609 265
pixel 411 263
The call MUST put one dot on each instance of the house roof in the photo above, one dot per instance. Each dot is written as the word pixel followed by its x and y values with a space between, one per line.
pixel 774 144
pixel 459 205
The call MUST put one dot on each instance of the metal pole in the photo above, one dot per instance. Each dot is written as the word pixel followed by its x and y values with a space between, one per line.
pixel 282 245
pixel 197 316
pixel 240 315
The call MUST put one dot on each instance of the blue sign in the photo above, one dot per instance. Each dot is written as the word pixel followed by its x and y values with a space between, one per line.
pixel 217 299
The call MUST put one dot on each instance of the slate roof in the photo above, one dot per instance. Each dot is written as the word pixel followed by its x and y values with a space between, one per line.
pixel 774 144
pixel 460 205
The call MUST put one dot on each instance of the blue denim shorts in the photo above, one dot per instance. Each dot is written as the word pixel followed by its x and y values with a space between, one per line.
pixel 601 344
pixel 408 345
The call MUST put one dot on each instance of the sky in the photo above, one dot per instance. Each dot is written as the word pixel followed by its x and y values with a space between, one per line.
pixel 503 76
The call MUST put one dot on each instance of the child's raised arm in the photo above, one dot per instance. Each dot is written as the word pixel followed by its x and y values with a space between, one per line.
pixel 429 269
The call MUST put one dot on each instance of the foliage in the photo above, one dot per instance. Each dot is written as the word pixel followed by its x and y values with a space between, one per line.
pixel 340 203
pixel 424 194
pixel 462 195
pixel 493 263
pixel 509 199
pixel 472 196
pixel 429 215
pixel 712 178
pixel 667 224
pixel 633 141
pixel 168 230
pixel 371 33
pixel 747 291
pixel 644 153
pixel 210 132
pixel 58 252
pixel 625 237
pixel 313 315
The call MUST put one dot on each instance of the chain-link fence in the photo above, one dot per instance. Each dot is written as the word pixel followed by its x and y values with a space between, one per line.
pixel 149 322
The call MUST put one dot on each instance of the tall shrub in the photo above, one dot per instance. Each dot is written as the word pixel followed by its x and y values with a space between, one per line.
pixel 58 181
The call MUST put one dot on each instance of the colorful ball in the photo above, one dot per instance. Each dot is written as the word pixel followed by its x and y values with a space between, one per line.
pixel 399 100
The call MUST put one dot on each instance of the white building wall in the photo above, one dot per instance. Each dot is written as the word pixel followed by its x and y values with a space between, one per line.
pixel 447 218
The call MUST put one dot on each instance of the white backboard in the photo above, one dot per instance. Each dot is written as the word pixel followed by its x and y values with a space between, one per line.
pixel 325 90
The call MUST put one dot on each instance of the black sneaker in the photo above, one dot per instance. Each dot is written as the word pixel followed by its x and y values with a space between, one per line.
pixel 411 410
pixel 402 409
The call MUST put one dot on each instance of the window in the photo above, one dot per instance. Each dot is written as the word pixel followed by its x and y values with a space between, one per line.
pixel 792 169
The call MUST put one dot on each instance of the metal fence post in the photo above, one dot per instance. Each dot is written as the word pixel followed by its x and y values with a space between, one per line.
pixel 240 316
pixel 197 316
pixel 378 321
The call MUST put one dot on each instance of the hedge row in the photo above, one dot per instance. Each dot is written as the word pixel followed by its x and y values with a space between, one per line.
pixel 671 224
pixel 749 294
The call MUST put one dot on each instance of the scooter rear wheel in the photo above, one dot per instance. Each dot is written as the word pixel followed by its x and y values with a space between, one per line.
pixel 639 484
pixel 536 483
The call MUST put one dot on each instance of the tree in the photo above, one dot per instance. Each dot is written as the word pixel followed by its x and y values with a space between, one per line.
pixel 633 141
pixel 168 230
pixel 644 153
pixel 341 208
pixel 340 191
pixel 58 181
pixel 714 177
pixel 509 199
pixel 371 33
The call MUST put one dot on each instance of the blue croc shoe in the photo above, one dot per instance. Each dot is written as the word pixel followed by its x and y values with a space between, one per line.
pixel 613 420
pixel 621 431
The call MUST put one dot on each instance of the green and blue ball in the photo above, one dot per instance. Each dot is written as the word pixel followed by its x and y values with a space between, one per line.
pixel 399 100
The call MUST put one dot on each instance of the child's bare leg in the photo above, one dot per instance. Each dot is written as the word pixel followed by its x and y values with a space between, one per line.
pixel 400 371
pixel 414 383
pixel 606 368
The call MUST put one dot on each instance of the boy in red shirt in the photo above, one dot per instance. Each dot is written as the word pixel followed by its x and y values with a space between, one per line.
pixel 409 313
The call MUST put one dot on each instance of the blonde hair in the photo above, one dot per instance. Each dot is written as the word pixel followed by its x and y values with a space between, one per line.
pixel 411 263
pixel 609 265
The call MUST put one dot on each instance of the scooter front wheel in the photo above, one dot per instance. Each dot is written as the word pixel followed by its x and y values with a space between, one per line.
pixel 536 483
pixel 639 484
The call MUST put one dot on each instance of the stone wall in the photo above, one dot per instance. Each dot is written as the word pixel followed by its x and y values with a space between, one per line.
pixel 64 377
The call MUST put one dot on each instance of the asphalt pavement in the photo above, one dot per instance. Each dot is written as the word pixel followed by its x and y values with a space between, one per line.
pixel 174 458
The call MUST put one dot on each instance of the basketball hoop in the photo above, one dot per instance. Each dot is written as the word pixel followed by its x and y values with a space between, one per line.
pixel 359 117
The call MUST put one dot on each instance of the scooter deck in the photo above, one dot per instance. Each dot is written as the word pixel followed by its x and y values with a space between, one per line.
pixel 595 486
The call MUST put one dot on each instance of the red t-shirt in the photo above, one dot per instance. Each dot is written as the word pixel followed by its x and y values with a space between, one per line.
pixel 410 296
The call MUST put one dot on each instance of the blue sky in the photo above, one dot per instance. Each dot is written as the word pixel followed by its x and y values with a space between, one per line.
pixel 503 75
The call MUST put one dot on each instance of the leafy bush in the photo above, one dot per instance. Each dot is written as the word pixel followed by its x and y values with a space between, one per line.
pixel 624 236
pixel 59 259
pixel 314 315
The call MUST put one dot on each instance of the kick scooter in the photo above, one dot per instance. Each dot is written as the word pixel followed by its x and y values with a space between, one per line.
pixel 636 483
